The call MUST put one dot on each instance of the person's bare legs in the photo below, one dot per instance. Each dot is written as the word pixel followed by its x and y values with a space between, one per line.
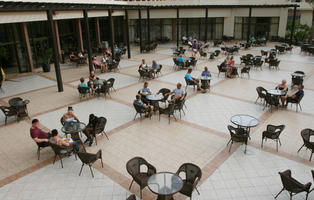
pixel 283 99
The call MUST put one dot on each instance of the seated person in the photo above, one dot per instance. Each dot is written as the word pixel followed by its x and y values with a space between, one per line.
pixel 155 67
pixel 98 65
pixel 282 86
pixel 206 73
pixel 144 92
pixel 39 136
pixel 56 139
pixel 82 83
pixel 108 52
pixel 231 70
pixel 116 49
pixel 69 116
pixel 104 60
pixel 253 39
pixel 90 128
pixel 181 61
pixel 92 79
pixel 192 81
pixel 73 57
pixel 296 96
pixel 81 56
pixel 143 66
pixel 145 107
pixel 227 61
pixel 177 93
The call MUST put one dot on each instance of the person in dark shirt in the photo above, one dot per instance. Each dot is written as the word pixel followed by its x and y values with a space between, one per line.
pixel 296 96
pixel 147 108
pixel 39 136
pixel 91 126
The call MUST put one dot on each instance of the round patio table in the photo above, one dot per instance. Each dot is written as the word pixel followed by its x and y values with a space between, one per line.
pixel 154 99
pixel 244 121
pixel 73 128
pixel 20 106
pixel 298 75
pixel 276 92
pixel 165 185
pixel 205 82
pixel 99 82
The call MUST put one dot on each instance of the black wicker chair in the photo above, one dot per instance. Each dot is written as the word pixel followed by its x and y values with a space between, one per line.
pixel 237 135
pixel 89 159
pixel 167 111
pixel 133 167
pixel 273 132
pixel 100 128
pixel 192 174
pixel 189 83
pixel 61 151
pixel 245 70
pixel 261 93
pixel 110 82
pixel 274 63
pixel 139 110
pixel 292 185
pixel 306 134
pixel 271 101
pixel 104 89
pixel 297 80
pixel 296 101
pixel 83 92
pixel 131 197
pixel 41 146
pixel 8 112
pixel 165 92
pixel 159 70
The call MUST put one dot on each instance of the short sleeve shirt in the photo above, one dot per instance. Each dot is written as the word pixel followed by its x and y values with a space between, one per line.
pixel 139 103
pixel 188 77
pixel 299 93
pixel 178 92
pixel 180 59
pixel 38 133
pixel 145 90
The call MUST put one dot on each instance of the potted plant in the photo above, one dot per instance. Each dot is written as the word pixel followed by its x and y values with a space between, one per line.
pixel 47 55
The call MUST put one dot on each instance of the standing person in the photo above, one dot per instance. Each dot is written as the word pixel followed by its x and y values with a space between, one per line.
pixel 195 48
pixel 39 136
pixel 90 128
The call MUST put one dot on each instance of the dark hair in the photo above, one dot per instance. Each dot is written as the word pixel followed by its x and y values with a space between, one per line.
pixel 35 121
pixel 70 108
pixel 145 83
pixel 301 86
pixel 190 70
pixel 82 80
pixel 138 96
pixel 54 133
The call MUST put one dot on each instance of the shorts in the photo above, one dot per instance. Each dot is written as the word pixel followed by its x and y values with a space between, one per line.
pixel 195 50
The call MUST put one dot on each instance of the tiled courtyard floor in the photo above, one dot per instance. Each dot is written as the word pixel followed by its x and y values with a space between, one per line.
pixel 199 137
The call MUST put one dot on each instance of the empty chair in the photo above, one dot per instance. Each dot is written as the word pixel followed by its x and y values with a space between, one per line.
pixel 61 151
pixel 273 132
pixel 261 93
pixel 203 54
pixel 221 69
pixel 237 135
pixel 159 70
pixel 133 167
pixel 110 83
pixel 131 197
pixel 271 101
pixel 192 175
pixel 274 63
pixel 306 134
pixel 89 159
pixel 297 80
pixel 264 53
pixel 292 185
pixel 8 112
pixel 217 52
pixel 245 70
pixel 168 111
pixel 100 128
pixel 165 92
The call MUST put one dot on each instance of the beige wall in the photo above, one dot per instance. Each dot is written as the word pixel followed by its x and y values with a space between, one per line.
pixel 15 17
pixel 283 22
pixel 306 17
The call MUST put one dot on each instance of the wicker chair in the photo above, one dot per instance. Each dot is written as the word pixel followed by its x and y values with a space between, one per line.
pixel 221 70
pixel 133 167
pixel 104 89
pixel 274 63
pixel 83 92
pixel 292 185
pixel 192 174
pixel 237 135
pixel 131 197
pixel 261 93
pixel 273 132
pixel 245 70
pixel 165 92
pixel 271 101
pixel 61 151
pixel 189 83
pixel 100 128
pixel 89 159
pixel 41 146
pixel 306 134
pixel 159 70
pixel 296 101
pixel 297 80
pixel 139 110
pixel 167 111
pixel 110 82
pixel 8 112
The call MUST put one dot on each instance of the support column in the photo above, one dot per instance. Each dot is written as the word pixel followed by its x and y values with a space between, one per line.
pixel 97 31
pixel 111 31
pixel 293 24
pixel 140 28
pixel 178 28
pixel 249 25
pixel 187 27
pixel 127 32
pixel 89 47
pixel 28 47
pixel 206 24
pixel 58 40
pixel 148 27
pixel 55 50
pixel 79 35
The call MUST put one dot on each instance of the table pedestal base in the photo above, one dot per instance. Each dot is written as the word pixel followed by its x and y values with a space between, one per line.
pixel 163 197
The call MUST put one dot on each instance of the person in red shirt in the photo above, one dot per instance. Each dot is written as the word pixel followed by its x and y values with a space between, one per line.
pixel 38 135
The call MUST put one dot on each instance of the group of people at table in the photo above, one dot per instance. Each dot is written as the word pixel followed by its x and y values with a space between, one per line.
pixel 151 70
pixel 288 98
pixel 107 56
pixel 229 66
pixel 43 138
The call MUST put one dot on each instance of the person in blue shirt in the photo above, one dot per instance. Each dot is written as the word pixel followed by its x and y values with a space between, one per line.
pixel 181 61
pixel 82 83
pixel 147 108
pixel 296 96
pixel 193 81
pixel 206 73
pixel 145 91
